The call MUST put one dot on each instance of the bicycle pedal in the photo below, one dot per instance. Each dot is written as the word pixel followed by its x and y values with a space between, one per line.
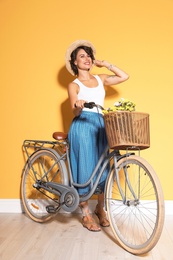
pixel 51 209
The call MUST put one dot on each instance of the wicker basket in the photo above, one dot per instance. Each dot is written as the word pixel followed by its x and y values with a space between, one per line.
pixel 127 130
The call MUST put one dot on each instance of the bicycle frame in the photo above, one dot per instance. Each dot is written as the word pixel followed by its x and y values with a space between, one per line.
pixel 61 146
pixel 105 158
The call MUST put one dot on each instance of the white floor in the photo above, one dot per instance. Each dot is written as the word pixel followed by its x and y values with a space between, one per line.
pixel 64 238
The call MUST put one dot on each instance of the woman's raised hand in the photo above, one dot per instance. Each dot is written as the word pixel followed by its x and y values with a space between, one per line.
pixel 101 63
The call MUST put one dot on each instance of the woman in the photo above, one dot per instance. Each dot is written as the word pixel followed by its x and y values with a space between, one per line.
pixel 86 136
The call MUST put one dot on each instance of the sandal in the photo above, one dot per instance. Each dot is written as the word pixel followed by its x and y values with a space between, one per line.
pixel 90 225
pixel 101 214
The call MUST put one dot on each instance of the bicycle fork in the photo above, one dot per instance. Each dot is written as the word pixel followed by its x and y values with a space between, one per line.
pixel 127 202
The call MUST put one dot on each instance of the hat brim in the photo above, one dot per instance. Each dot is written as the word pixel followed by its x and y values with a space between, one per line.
pixel 72 47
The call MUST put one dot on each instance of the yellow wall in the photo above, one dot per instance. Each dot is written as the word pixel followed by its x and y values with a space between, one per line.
pixel 34 34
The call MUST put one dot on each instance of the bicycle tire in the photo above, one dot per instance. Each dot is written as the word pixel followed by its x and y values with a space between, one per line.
pixel 136 223
pixel 39 167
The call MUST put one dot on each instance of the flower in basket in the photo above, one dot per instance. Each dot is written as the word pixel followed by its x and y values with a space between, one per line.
pixel 121 105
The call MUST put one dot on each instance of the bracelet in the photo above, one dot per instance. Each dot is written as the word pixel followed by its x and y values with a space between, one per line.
pixel 110 67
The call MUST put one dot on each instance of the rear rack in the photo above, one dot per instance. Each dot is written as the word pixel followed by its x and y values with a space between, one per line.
pixel 30 146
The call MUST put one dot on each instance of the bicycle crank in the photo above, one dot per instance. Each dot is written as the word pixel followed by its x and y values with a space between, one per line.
pixel 68 196
pixel 69 201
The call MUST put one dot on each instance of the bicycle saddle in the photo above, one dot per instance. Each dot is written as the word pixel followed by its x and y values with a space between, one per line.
pixel 60 135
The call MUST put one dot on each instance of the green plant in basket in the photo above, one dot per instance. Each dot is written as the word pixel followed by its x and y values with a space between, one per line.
pixel 121 105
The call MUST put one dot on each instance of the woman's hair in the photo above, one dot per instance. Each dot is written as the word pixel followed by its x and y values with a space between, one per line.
pixel 87 49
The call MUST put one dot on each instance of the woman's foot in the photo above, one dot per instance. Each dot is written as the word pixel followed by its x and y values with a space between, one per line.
pixel 101 214
pixel 89 223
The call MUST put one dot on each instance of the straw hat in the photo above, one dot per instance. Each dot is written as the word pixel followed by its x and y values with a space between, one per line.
pixel 72 47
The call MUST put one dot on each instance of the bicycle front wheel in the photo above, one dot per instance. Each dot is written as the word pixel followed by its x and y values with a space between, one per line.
pixel 43 166
pixel 135 205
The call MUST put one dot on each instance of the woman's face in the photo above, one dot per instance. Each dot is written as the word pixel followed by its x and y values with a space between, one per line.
pixel 83 60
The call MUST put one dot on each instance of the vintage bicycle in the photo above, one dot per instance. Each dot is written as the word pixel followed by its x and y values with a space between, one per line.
pixel 133 195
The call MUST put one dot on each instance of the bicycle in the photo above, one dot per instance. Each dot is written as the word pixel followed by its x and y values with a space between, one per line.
pixel 133 195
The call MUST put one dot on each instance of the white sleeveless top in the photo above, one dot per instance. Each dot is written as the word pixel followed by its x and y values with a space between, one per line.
pixel 96 94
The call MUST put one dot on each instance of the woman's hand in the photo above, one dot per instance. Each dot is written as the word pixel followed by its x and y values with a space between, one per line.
pixel 79 104
pixel 101 63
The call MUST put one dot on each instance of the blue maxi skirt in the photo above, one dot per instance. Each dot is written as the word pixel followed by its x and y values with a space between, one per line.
pixel 87 138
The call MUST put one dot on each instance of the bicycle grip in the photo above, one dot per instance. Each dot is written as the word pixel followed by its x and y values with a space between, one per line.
pixel 89 105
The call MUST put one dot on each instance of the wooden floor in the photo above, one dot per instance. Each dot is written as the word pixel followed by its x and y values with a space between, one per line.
pixel 64 238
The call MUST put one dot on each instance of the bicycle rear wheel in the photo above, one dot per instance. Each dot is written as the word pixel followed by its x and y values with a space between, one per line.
pixel 42 166
pixel 136 210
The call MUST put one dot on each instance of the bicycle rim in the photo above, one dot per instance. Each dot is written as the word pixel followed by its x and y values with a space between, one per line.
pixel 42 166
pixel 137 220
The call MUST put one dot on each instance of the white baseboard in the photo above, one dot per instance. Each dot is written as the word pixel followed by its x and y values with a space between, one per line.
pixel 10 206
pixel 15 206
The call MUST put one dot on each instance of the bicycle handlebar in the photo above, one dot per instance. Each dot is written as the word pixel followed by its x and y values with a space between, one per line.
pixel 90 105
